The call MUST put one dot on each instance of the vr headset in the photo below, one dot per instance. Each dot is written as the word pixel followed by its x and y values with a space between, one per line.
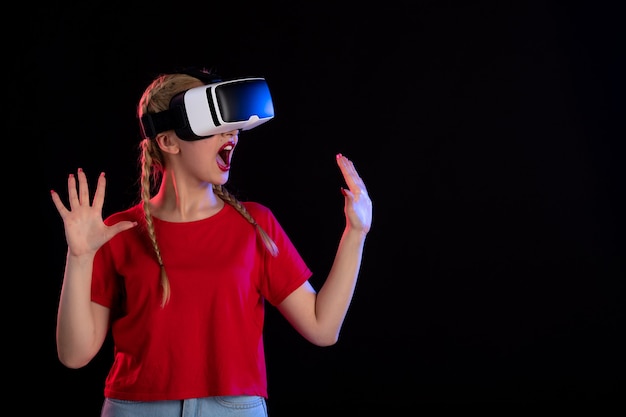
pixel 218 107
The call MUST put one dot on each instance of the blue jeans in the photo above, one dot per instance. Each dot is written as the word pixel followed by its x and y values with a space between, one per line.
pixel 231 406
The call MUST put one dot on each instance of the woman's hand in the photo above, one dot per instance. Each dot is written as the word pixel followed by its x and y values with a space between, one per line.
pixel 85 230
pixel 358 207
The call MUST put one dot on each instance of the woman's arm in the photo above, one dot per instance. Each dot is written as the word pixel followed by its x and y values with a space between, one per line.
pixel 82 325
pixel 318 316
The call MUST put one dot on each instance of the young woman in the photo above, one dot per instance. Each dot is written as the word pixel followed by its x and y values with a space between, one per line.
pixel 180 278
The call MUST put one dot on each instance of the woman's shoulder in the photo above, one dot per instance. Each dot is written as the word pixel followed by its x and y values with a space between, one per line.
pixel 133 213
pixel 255 207
pixel 261 213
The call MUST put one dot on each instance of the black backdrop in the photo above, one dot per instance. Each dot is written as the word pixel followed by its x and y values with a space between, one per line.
pixel 490 135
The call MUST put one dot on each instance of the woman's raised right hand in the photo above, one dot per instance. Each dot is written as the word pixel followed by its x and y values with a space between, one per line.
pixel 85 231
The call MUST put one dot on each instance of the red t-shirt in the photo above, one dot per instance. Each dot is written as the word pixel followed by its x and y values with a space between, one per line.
pixel 208 340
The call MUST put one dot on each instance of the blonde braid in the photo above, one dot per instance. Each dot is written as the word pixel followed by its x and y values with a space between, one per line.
pixel 156 98
pixel 225 195
pixel 146 186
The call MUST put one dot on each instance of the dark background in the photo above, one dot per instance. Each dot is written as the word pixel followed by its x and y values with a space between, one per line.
pixel 490 136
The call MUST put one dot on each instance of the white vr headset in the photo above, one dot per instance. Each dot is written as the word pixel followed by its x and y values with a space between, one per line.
pixel 218 107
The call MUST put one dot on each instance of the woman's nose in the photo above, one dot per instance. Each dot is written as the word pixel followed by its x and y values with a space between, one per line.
pixel 231 133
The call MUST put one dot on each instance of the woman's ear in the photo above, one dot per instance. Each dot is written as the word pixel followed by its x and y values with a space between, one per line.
pixel 168 142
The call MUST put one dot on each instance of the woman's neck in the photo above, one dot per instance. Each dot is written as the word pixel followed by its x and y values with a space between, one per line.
pixel 176 203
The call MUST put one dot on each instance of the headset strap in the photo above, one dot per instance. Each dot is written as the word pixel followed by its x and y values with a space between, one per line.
pixel 153 123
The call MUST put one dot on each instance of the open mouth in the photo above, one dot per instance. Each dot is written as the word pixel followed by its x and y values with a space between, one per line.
pixel 224 156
